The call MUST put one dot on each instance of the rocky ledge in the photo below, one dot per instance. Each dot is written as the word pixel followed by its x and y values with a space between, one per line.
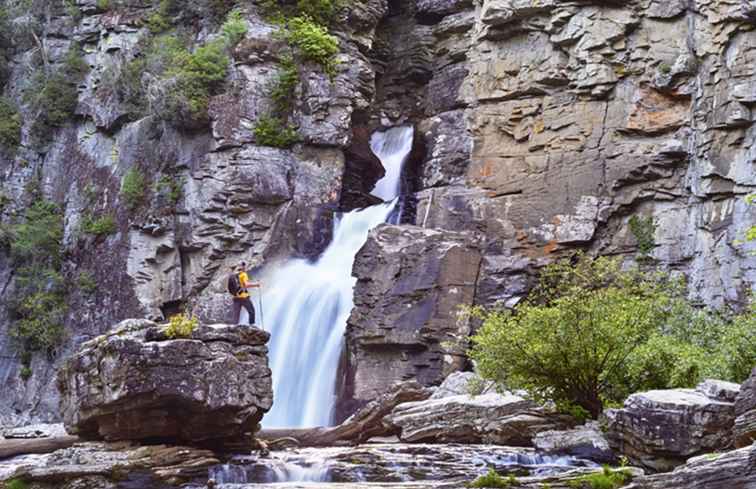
pixel 745 410
pixel 136 383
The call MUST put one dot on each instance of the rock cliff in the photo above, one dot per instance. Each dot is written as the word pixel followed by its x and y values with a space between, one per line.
pixel 543 127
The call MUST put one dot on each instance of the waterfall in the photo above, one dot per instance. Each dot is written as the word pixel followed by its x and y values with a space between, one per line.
pixel 307 304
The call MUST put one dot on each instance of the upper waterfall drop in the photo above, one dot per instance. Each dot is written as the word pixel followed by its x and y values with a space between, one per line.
pixel 392 147
pixel 308 304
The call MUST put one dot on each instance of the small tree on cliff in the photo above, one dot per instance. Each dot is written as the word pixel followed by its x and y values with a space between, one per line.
pixel 572 339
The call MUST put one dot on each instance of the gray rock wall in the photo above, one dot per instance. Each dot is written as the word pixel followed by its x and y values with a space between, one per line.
pixel 545 127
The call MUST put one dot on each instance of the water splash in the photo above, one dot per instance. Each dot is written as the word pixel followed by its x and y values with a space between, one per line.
pixel 308 304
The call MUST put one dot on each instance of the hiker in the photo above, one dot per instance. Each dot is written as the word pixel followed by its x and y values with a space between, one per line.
pixel 238 286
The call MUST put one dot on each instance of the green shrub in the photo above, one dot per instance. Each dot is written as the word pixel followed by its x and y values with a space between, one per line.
pixel 751 232
pixel 39 235
pixel 181 326
pixel 157 22
pixel 25 372
pixel 133 188
pixel 736 352
pixel 171 187
pixel 234 28
pixel 54 99
pixel 10 125
pixel 313 42
pixel 285 84
pixel 321 11
pixel 99 226
pixel 39 309
pixel 644 230
pixel 103 5
pixel 571 340
pixel 86 282
pixel 494 480
pixel 16 484
pixel 606 479
pixel 272 131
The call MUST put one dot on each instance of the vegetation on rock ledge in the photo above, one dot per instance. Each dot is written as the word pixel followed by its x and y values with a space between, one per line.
pixel 593 333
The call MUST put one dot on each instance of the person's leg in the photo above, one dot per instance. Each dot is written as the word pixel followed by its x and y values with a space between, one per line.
pixel 250 310
pixel 236 311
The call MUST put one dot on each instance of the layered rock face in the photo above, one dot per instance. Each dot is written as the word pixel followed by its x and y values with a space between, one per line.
pixel 138 384
pixel 662 429
pixel 744 430
pixel 410 284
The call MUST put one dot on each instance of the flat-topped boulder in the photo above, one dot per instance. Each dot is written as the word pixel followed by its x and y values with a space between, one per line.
pixel 661 429
pixel 587 442
pixel 503 419
pixel 137 383
pixel 744 430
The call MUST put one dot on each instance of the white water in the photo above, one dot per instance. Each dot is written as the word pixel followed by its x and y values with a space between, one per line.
pixel 392 148
pixel 307 304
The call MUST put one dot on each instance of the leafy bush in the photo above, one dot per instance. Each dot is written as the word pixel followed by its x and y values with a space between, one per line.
pixel 38 237
pixel 86 282
pixel 644 230
pixel 171 187
pixel 181 326
pixel 751 232
pixel 606 479
pixel 313 42
pixel 736 352
pixel 234 28
pixel 272 131
pixel 16 484
pixel 10 125
pixel 321 11
pixel 99 226
pixel 103 5
pixel 133 188
pixel 494 480
pixel 594 333
pixel 285 84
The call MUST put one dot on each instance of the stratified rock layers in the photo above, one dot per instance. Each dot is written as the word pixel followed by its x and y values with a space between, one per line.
pixel 137 384
pixel 744 430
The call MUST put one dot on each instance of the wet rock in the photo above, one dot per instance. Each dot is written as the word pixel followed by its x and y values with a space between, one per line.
pixel 137 384
pixel 98 465
pixel 744 430
pixel 410 284
pixel 503 419
pixel 587 442
pixel 661 429
pixel 712 471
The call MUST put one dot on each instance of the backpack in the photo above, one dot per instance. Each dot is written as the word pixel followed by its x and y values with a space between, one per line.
pixel 234 284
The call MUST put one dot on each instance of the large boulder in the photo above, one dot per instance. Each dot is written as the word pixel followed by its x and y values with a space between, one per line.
pixel 745 410
pixel 136 383
pixel 730 470
pixel 661 429
pixel 587 442
pixel 404 325
pixel 502 419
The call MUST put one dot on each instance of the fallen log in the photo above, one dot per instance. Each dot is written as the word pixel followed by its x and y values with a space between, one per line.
pixel 13 447
pixel 360 427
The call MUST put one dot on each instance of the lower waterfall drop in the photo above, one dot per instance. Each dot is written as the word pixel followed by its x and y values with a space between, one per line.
pixel 308 304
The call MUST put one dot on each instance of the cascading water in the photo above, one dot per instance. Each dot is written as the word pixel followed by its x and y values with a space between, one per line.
pixel 308 304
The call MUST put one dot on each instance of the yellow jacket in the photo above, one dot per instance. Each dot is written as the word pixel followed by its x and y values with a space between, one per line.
pixel 244 281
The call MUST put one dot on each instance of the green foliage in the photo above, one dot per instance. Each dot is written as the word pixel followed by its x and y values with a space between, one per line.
pixel 234 28
pixel 272 131
pixel 592 333
pixel 321 11
pixel 99 226
pixel 285 84
pixel 39 235
pixel 493 480
pixel 25 372
pixel 103 5
pixel 133 188
pixel 751 232
pixel 10 125
pixel 171 187
pixel 643 229
pixel 86 282
pixel 313 42
pixel 41 314
pixel 606 479
pixel 16 484
pixel 736 352
pixel 157 22
pixel 181 326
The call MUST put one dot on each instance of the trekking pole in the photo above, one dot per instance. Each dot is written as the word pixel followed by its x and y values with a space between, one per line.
pixel 262 319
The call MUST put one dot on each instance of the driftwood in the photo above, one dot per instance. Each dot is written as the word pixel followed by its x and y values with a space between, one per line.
pixel 365 424
pixel 13 447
